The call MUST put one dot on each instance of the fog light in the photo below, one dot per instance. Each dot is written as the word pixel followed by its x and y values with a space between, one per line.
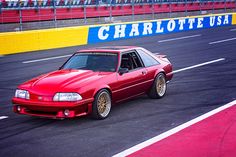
pixel 18 108
pixel 67 113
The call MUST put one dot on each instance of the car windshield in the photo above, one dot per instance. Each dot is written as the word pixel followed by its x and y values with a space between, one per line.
pixel 104 62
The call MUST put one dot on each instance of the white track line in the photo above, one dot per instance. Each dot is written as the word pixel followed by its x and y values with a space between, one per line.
pixel 172 131
pixel 45 59
pixel 233 29
pixel 179 38
pixel 221 41
pixel 198 65
pixel 3 117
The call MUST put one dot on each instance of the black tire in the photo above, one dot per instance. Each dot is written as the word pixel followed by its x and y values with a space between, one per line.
pixel 101 105
pixel 159 87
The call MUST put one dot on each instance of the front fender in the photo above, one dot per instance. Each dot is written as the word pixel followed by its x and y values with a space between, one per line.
pixel 97 89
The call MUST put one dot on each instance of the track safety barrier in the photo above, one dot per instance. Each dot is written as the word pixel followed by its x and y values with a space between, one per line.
pixel 25 41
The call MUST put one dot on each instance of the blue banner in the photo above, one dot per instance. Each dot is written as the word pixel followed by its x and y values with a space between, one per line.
pixel 139 29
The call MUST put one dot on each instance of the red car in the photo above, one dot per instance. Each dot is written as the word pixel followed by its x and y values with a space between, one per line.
pixel 92 80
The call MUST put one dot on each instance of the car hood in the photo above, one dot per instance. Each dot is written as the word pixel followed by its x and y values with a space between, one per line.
pixel 62 81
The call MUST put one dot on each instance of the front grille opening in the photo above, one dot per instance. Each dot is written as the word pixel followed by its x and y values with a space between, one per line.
pixel 41 112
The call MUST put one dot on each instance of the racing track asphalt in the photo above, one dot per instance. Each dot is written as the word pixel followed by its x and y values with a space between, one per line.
pixel 191 93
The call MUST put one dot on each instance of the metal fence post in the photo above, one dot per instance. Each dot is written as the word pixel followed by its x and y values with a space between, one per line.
pixel 110 12
pixel 213 7
pixel 122 7
pixel 235 5
pixel 85 14
pixel 1 11
pixel 185 6
pixel 132 10
pixel 97 8
pixel 225 6
pixel 200 6
pixel 152 9
pixel 69 8
pixel 0 7
pixel 55 13
pixel 39 15
pixel 20 14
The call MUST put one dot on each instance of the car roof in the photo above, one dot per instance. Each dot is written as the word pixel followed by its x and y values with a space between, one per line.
pixel 112 49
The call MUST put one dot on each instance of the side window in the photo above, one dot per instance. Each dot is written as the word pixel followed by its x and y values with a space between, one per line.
pixel 130 61
pixel 147 59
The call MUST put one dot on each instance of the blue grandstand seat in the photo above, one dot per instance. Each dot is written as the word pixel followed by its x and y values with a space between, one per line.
pixel 118 1
pixel 35 3
pixel 45 2
pixel 66 2
pixel 25 3
pixel 58 2
pixel 88 2
pixel 12 3
pixel 75 2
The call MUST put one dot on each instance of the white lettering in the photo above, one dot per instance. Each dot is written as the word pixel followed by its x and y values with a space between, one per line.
pixel 191 21
pixel 199 22
pixel 101 34
pixel 159 28
pixel 212 21
pixel 181 24
pixel 134 31
pixel 119 31
pixel 219 21
pixel 147 28
pixel 226 20
pixel 171 25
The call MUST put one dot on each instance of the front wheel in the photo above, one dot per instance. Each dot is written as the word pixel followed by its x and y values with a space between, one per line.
pixel 101 105
pixel 158 89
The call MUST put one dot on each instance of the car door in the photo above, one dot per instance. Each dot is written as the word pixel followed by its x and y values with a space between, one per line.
pixel 130 84
pixel 151 65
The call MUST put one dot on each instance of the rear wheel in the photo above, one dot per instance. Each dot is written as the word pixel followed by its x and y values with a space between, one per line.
pixel 101 105
pixel 158 89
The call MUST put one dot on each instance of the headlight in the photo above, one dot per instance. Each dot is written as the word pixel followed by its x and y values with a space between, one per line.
pixel 67 97
pixel 24 94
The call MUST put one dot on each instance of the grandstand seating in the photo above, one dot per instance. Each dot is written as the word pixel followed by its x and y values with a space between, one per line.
pixel 12 11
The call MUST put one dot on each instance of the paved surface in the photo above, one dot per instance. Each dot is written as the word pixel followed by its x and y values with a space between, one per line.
pixel 191 93
pixel 219 130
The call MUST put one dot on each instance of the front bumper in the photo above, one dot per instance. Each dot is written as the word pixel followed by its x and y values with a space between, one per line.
pixel 52 109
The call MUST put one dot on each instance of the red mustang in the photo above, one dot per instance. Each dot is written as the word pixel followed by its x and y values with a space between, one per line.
pixel 92 80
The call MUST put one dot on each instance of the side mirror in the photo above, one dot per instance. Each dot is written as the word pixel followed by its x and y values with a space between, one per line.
pixel 123 71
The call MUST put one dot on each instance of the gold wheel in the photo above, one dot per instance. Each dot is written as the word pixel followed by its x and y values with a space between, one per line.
pixel 161 85
pixel 103 104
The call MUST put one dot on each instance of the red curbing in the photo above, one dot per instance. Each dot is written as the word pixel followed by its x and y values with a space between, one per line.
pixel 214 136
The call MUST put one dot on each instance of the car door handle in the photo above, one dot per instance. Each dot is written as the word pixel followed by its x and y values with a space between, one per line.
pixel 144 72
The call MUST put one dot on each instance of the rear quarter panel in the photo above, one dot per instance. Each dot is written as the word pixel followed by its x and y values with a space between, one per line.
pixel 166 67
